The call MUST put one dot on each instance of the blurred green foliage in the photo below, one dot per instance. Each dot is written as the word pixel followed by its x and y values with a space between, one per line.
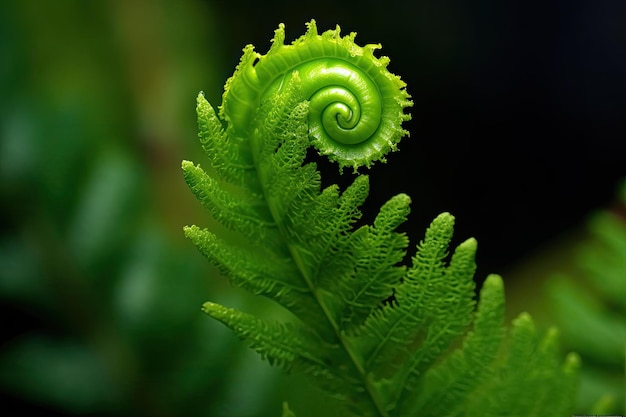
pixel 101 294
pixel 590 304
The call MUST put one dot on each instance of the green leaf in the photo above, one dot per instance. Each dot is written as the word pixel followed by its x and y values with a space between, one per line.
pixel 386 339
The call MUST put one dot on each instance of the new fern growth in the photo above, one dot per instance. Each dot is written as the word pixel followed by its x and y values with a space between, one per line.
pixel 428 351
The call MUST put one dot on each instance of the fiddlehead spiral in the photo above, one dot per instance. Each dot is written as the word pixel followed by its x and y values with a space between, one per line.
pixel 356 105
pixel 300 246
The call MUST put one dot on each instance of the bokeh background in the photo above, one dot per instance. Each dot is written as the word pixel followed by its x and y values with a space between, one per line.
pixel 519 130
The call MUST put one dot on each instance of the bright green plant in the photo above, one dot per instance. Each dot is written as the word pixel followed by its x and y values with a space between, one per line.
pixel 385 338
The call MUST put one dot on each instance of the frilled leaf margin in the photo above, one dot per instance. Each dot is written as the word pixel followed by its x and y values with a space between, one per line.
pixel 429 352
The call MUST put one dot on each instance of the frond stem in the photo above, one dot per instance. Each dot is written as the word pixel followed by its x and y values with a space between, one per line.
pixel 356 361
pixel 373 394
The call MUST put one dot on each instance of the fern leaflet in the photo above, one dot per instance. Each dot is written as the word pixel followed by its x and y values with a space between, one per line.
pixel 410 356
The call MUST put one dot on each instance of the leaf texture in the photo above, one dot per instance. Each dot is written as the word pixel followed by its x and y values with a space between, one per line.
pixel 389 339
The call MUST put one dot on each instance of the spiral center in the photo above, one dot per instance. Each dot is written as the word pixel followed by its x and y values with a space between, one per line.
pixel 345 106
pixel 344 116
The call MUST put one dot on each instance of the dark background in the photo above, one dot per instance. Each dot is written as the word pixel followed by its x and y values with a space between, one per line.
pixel 519 121
pixel 518 130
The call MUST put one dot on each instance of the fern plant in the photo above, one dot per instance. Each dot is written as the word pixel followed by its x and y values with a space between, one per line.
pixel 590 305
pixel 387 339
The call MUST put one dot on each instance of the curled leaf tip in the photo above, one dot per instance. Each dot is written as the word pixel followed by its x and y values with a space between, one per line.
pixel 357 106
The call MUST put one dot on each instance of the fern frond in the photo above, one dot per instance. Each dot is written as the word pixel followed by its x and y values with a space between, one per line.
pixel 592 312
pixel 605 258
pixel 387 339
pixel 450 387
pixel 241 213
pixel 228 156
pixel 259 271
pixel 284 344
pixel 531 380
pixel 433 306
pixel 370 266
